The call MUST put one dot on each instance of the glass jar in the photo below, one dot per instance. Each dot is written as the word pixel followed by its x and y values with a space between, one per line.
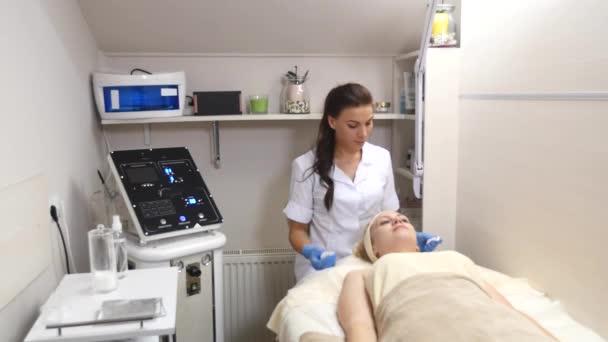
pixel 382 107
pixel 295 98
pixel 258 104
pixel 102 258
pixel 444 26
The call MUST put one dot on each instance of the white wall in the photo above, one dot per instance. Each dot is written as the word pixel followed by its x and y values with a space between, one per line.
pixel 532 174
pixel 48 126
pixel 441 144
pixel 263 75
pixel 251 188
pixel 384 27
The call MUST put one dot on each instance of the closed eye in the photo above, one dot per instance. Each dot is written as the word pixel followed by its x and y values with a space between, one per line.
pixel 404 218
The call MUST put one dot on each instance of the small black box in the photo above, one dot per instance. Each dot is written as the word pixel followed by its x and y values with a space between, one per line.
pixel 217 102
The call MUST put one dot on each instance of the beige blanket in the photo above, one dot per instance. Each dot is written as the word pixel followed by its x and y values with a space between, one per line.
pixel 449 307
pixel 445 307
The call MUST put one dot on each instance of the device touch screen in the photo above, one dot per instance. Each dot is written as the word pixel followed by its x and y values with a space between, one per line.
pixel 144 174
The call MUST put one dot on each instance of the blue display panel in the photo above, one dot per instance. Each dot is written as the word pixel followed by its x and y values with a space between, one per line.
pixel 140 98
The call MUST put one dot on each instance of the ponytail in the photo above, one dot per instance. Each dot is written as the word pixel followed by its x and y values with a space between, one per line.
pixel 341 97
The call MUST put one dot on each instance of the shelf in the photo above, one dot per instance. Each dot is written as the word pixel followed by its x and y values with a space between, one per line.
pixel 409 55
pixel 215 119
pixel 244 117
pixel 401 171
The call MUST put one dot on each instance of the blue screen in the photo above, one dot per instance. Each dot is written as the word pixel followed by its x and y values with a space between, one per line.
pixel 140 98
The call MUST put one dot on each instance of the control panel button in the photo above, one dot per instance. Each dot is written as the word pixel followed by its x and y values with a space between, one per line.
pixel 201 215
pixel 163 221
pixel 193 271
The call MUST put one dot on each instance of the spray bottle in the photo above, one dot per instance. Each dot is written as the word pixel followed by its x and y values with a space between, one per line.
pixel 120 245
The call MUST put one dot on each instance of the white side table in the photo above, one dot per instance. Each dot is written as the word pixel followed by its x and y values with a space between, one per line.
pixel 75 300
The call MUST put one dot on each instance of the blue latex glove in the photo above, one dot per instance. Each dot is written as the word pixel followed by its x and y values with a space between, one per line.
pixel 319 258
pixel 428 242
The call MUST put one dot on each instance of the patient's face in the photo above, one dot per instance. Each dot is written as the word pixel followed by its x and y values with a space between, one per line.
pixel 392 232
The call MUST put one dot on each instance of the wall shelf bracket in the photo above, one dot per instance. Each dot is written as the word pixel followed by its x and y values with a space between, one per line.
pixel 215 136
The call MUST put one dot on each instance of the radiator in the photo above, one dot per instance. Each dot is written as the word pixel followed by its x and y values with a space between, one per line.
pixel 254 282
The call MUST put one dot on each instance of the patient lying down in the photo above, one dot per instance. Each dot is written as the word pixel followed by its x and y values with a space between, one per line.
pixel 411 296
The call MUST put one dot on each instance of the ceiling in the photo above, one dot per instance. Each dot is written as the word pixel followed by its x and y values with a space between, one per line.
pixel 366 27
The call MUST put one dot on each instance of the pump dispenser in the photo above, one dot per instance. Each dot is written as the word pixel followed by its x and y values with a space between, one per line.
pixel 120 246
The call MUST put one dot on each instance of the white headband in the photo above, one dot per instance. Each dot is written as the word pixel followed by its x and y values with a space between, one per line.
pixel 367 240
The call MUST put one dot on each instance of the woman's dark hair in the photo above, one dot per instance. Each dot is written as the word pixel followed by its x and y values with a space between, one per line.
pixel 341 97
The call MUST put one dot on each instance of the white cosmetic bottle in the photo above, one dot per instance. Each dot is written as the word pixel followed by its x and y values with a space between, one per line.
pixel 120 245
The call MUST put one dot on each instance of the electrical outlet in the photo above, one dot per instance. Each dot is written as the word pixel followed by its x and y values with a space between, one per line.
pixel 55 201
pixel 59 205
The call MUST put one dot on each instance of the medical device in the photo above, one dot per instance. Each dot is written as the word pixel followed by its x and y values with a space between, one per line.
pixel 163 193
pixel 171 219
pixel 121 96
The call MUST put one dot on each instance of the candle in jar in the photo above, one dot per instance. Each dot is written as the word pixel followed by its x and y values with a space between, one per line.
pixel 440 23
pixel 258 104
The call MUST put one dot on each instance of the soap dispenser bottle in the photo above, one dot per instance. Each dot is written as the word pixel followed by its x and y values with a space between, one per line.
pixel 120 245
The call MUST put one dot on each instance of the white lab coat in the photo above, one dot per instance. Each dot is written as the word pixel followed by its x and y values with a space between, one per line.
pixel 355 202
